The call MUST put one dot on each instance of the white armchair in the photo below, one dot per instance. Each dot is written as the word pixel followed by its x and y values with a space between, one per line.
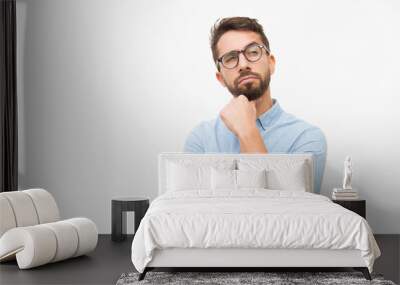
pixel 31 230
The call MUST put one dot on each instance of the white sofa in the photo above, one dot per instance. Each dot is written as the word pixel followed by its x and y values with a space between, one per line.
pixel 32 233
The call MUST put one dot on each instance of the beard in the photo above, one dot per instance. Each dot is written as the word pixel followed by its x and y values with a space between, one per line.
pixel 253 89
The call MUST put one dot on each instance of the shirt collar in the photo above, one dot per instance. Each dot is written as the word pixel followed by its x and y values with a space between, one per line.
pixel 269 116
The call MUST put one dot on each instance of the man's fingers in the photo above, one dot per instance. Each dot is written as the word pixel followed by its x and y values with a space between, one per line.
pixel 242 97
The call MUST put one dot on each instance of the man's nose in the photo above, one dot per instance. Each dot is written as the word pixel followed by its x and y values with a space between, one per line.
pixel 243 62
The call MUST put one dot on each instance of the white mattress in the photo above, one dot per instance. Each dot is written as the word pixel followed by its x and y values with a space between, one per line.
pixel 251 218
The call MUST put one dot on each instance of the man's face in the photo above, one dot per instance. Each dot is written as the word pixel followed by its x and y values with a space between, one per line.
pixel 257 73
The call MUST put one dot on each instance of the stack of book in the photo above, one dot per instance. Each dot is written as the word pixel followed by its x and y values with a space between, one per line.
pixel 344 194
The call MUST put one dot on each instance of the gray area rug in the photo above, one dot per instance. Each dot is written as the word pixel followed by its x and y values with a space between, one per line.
pixel 225 278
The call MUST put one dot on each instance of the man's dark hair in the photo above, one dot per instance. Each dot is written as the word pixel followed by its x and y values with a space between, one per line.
pixel 224 25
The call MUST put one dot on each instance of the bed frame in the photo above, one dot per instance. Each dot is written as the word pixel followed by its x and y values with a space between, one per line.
pixel 248 259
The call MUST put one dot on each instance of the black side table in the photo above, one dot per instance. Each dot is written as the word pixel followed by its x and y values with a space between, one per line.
pixel 119 207
pixel 357 206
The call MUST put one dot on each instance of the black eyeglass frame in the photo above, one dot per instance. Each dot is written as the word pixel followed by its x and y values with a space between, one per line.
pixel 219 60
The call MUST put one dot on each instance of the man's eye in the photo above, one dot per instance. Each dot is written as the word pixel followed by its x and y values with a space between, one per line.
pixel 229 58
pixel 252 51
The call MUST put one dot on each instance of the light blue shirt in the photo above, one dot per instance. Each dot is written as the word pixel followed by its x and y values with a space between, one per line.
pixel 282 133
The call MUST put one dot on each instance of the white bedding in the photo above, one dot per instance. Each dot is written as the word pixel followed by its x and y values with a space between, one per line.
pixel 250 218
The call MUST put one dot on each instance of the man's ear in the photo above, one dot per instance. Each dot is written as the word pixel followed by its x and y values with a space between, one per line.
pixel 271 62
pixel 220 78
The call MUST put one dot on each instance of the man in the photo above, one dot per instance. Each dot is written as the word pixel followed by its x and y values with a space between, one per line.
pixel 252 122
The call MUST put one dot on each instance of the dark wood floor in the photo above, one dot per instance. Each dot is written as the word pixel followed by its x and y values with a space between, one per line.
pixel 111 259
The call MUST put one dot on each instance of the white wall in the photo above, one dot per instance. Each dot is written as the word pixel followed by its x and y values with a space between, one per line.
pixel 104 86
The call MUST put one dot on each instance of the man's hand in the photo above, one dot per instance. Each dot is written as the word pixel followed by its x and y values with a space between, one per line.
pixel 240 115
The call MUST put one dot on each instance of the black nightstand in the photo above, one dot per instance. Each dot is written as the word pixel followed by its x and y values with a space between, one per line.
pixel 119 207
pixel 357 206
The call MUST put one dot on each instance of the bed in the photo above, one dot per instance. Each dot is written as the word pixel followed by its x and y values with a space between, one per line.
pixel 247 211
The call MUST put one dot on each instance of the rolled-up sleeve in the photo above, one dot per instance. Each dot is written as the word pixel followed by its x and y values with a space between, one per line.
pixel 313 141
pixel 193 143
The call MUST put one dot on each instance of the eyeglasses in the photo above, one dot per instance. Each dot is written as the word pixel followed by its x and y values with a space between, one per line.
pixel 252 53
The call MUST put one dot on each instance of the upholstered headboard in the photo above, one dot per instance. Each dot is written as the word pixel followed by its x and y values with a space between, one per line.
pixel 271 160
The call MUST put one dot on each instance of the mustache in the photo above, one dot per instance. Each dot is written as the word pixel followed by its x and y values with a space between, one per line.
pixel 244 74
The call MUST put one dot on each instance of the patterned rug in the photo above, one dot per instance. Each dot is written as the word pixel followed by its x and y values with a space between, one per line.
pixel 270 278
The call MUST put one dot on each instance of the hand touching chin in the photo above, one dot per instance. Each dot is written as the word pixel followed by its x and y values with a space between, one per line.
pixel 239 115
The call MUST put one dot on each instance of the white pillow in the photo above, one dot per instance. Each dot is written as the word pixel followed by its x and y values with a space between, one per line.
pixel 187 177
pixel 223 179
pixel 294 178
pixel 237 179
pixel 282 173
pixel 191 173
pixel 251 178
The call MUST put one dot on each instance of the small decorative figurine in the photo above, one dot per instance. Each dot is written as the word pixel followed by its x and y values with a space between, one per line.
pixel 347 173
